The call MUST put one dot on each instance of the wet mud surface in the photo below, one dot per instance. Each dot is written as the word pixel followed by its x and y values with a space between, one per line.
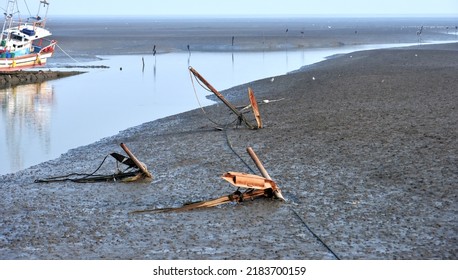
pixel 364 147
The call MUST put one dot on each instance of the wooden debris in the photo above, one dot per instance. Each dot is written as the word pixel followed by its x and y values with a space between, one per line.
pixel 257 186
pixel 221 97
pixel 124 160
pixel 234 197
pixel 249 181
pixel 132 163
pixel 264 173
pixel 139 164
pixel 254 105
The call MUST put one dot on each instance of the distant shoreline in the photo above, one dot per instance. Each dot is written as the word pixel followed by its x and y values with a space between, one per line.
pixel 90 36
pixel 251 17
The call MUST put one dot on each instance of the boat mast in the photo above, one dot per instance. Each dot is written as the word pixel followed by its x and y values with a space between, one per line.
pixel 8 17
pixel 42 20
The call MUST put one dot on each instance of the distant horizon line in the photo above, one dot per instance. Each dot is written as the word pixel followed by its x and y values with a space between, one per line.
pixel 267 16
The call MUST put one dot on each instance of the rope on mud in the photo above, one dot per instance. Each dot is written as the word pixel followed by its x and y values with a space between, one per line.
pixel 86 178
pixel 313 233
pixel 229 143
pixel 289 205
pixel 200 105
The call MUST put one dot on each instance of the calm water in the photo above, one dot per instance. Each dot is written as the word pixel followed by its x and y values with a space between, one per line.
pixel 41 121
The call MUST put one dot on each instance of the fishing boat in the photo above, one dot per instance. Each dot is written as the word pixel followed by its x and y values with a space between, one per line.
pixel 23 42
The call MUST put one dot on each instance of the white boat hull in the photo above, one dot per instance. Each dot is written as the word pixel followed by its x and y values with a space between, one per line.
pixel 24 62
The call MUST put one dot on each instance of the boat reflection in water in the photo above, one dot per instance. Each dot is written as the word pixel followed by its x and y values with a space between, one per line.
pixel 25 118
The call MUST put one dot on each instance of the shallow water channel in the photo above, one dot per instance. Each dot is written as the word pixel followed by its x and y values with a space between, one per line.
pixel 39 122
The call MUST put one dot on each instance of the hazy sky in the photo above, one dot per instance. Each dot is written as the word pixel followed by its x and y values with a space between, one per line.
pixel 252 7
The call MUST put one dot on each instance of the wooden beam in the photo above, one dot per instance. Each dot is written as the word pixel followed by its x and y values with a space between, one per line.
pixel 221 97
pixel 254 105
pixel 254 157
pixel 136 161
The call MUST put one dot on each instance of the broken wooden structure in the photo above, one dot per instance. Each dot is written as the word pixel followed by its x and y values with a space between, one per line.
pixel 143 171
pixel 256 187
pixel 254 105
pixel 260 166
pixel 135 170
pixel 234 109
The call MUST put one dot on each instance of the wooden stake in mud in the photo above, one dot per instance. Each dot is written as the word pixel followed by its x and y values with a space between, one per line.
pixel 254 105
pixel 254 157
pixel 136 161
pixel 221 97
